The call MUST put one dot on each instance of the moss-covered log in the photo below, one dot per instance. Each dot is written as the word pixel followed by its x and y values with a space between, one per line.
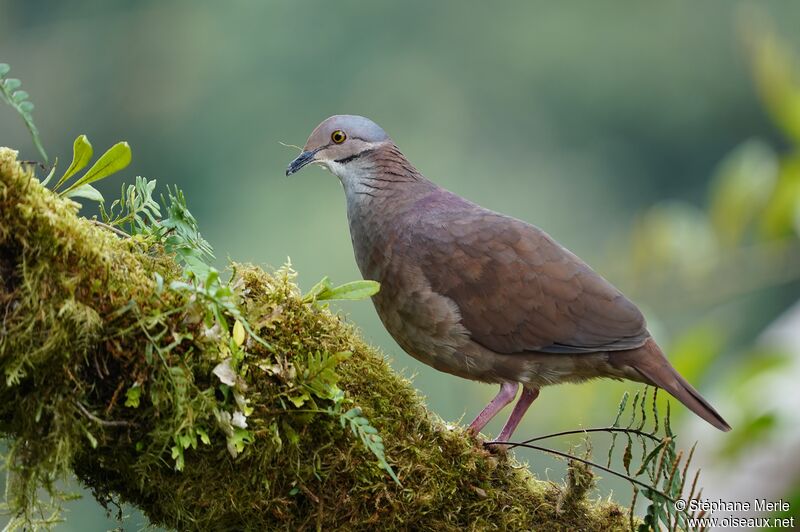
pixel 113 375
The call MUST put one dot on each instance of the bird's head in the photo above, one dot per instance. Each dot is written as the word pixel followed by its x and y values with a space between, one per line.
pixel 338 142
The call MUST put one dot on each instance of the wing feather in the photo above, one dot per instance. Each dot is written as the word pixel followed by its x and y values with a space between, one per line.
pixel 517 289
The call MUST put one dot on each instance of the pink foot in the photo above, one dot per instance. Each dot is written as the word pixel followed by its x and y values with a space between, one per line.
pixel 525 399
pixel 508 390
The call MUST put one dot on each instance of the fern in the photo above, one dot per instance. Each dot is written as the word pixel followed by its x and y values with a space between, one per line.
pixel 17 98
pixel 135 207
pixel 660 475
pixel 319 382
pixel 369 436
pixel 180 233
pixel 320 378
pixel 138 212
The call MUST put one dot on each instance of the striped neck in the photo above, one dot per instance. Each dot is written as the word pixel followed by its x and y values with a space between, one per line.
pixel 378 172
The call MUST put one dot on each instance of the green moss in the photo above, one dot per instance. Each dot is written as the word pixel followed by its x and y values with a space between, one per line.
pixel 84 322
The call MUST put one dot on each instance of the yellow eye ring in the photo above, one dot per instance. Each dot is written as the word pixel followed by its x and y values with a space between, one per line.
pixel 338 136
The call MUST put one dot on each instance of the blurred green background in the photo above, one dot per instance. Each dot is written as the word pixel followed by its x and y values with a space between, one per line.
pixel 659 142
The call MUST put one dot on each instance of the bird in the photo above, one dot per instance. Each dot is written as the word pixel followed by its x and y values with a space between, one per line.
pixel 478 294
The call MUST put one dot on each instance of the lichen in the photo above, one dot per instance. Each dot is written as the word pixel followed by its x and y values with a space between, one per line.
pixel 105 370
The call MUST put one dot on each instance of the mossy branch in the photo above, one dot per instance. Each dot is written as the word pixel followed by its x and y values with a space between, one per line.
pixel 111 375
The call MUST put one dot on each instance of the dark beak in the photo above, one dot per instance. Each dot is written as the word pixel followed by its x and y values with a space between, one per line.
pixel 301 160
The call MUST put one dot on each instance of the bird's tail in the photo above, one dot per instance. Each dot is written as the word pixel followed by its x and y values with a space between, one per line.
pixel 649 361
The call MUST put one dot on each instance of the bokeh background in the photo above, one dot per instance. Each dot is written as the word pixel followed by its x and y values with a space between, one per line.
pixel 660 142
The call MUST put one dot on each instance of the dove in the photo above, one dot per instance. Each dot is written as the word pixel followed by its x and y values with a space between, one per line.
pixel 478 294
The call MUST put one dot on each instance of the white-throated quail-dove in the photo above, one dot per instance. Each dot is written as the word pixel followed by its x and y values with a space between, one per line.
pixel 479 294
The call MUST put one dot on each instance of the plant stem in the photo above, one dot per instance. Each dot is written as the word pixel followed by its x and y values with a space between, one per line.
pixel 99 421
pixel 586 431
pixel 587 462
pixel 111 228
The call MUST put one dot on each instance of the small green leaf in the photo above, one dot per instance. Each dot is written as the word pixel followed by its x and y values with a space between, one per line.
pixel 621 408
pixel 26 107
pixel 177 455
pixel 203 435
pixel 187 441
pixel 4 69
pixel 651 456
pixel 238 440
pixel 115 159
pixel 81 155
pixel 299 400
pixel 91 438
pixel 19 96
pixel 238 333
pixel 627 455
pixel 133 395
pixel 85 191
pixel 353 291
pixel 323 285
pixel 12 84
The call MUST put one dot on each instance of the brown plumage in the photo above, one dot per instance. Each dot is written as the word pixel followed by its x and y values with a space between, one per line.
pixel 478 294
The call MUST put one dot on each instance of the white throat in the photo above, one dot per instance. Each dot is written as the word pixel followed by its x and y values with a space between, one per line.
pixel 354 176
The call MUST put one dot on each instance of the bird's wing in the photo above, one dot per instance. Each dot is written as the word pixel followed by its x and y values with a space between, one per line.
pixel 519 290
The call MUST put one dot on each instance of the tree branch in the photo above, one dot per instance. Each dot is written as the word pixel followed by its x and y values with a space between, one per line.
pixel 74 298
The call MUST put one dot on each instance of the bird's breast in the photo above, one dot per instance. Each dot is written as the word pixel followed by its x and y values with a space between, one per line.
pixel 427 325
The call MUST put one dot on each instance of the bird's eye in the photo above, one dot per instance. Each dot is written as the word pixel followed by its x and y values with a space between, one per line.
pixel 338 136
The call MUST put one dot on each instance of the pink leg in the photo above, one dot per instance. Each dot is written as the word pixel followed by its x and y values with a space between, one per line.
pixel 508 390
pixel 525 399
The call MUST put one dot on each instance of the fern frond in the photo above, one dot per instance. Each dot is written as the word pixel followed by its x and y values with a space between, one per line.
pixel 13 95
